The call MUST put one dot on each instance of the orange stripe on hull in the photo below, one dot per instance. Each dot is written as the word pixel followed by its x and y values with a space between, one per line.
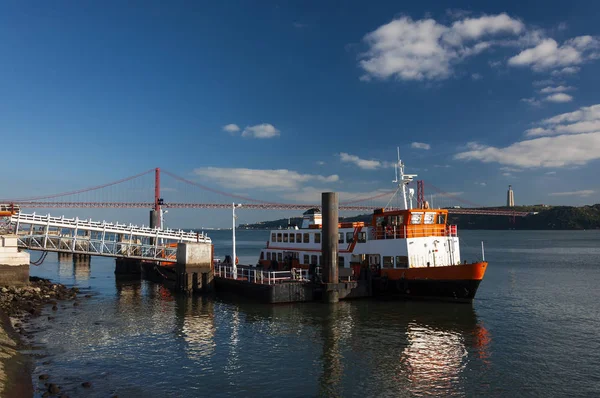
pixel 473 271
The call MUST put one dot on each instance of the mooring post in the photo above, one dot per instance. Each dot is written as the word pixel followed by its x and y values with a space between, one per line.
pixel 329 245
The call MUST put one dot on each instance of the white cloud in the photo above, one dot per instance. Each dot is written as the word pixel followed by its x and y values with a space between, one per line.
pixel 558 151
pixel 584 120
pixel 231 128
pixel 569 70
pixel 420 145
pixel 362 163
pixel 443 166
pixel 557 89
pixel 320 162
pixel 550 173
pixel 476 76
pixel 531 101
pixel 299 25
pixel 264 130
pixel 481 184
pixel 276 180
pixel 549 55
pixel 537 131
pixel 511 169
pixel 583 193
pixel 545 82
pixel 559 97
pixel 507 174
pixel 425 49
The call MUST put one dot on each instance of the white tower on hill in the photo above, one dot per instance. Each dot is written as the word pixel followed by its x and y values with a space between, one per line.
pixel 510 197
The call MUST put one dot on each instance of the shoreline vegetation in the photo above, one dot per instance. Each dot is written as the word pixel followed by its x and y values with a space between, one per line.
pixel 17 306
pixel 540 218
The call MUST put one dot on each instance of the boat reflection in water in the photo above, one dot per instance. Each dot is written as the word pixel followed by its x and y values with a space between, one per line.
pixel 375 348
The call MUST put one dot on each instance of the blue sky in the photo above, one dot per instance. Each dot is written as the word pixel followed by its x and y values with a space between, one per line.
pixel 282 100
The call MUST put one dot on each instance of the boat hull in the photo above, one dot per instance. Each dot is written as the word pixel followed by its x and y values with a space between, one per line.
pixel 450 283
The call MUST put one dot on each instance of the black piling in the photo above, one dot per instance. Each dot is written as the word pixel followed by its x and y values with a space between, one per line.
pixel 329 245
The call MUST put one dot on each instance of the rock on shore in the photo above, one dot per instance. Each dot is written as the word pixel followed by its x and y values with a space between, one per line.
pixel 19 303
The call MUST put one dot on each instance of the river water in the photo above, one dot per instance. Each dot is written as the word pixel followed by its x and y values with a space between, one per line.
pixel 533 330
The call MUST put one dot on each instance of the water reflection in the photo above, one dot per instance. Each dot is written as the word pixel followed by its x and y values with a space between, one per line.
pixel 73 268
pixel 196 325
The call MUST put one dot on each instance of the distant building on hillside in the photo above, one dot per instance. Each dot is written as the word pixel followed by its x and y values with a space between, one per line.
pixel 510 197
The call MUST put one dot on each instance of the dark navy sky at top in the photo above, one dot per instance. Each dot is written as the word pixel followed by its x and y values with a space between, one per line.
pixel 101 90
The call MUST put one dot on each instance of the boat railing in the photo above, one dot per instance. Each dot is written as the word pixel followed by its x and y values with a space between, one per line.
pixel 264 277
pixel 342 276
pixel 415 231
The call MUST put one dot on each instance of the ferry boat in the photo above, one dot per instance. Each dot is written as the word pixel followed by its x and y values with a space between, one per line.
pixel 410 252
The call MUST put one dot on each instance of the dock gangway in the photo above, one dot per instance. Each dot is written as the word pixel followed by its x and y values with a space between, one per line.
pixel 72 235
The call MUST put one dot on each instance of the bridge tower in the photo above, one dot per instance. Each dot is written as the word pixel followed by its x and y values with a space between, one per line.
pixel 156 212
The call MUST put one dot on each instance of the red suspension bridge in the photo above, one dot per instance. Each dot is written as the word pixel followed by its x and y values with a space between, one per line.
pixel 139 191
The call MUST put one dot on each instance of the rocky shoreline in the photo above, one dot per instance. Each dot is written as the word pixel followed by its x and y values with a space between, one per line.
pixel 17 306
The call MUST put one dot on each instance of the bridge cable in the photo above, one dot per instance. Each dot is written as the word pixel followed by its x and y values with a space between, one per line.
pixel 80 190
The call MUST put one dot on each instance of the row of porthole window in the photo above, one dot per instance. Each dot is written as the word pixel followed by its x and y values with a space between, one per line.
pixel 305 238
pixel 308 259
pixel 295 238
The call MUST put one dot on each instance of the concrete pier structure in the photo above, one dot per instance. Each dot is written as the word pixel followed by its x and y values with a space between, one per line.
pixel 14 265
pixel 194 269
pixel 329 245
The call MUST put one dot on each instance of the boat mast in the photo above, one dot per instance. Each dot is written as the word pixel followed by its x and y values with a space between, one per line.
pixel 403 179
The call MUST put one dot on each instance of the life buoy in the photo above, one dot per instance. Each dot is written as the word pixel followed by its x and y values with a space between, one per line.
pixel 237 260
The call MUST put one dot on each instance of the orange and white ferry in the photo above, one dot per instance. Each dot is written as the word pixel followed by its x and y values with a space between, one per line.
pixel 410 252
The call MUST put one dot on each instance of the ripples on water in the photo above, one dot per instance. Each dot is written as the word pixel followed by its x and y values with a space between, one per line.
pixel 532 331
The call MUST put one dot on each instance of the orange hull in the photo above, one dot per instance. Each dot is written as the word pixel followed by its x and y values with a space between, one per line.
pixel 473 271
pixel 454 282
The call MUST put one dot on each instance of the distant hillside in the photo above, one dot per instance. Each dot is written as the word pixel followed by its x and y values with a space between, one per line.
pixel 558 217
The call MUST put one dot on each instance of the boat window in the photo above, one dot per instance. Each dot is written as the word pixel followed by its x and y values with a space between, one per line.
pixel 306 259
pixel 318 237
pixel 340 261
pixel 273 237
pixel 298 238
pixel 415 218
pixel 340 237
pixel 401 261
pixel 292 236
pixel 306 238
pixel 362 237
pixel 441 219
pixel 388 262
pixel 268 255
pixel 285 238
pixel 349 237
pixel 279 257
pixel 429 218
pixel 313 259
pixel 278 237
pixel 320 260
pixel 262 255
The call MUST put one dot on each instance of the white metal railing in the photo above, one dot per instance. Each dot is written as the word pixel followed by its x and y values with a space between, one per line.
pixel 414 231
pixel 254 275
pixel 61 234
pixel 88 225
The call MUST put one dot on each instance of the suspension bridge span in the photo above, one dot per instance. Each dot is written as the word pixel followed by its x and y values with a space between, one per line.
pixel 117 194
